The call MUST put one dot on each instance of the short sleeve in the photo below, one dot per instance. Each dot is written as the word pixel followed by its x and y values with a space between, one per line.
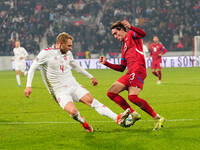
pixel 41 58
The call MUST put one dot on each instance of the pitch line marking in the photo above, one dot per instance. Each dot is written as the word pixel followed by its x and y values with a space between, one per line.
pixel 70 122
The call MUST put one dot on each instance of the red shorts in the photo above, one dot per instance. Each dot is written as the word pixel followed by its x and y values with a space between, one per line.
pixel 133 79
pixel 156 65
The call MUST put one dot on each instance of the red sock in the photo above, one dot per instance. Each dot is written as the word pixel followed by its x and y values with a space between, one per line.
pixel 120 101
pixel 159 75
pixel 142 104
pixel 155 73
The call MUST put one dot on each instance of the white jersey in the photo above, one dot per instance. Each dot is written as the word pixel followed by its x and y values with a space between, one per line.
pixel 56 69
pixel 20 52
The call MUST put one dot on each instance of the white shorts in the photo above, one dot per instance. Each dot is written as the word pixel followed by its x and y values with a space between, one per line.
pixel 71 94
pixel 21 66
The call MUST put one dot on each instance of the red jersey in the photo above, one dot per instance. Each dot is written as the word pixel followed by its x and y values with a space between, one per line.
pixel 157 49
pixel 132 58
pixel 132 54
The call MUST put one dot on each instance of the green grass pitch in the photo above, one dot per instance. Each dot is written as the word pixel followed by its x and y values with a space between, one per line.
pixel 39 123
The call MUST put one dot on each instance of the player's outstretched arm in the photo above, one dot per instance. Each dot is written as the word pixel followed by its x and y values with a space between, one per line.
pixel 79 69
pixel 116 67
pixel 28 89
pixel 40 59
pixel 139 32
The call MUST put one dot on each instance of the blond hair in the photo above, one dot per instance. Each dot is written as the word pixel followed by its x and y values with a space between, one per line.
pixel 63 37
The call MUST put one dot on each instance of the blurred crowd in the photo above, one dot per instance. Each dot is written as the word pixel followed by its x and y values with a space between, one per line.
pixel 175 22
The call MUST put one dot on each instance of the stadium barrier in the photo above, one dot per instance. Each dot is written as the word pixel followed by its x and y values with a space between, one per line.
pixel 167 62
pixel 5 63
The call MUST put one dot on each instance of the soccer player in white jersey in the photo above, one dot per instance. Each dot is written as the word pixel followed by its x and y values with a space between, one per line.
pixel 55 65
pixel 20 54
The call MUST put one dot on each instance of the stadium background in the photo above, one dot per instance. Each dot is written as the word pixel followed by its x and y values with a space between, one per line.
pixel 37 22
pixel 37 123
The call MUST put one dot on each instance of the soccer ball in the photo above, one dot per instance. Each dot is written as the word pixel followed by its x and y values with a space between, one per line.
pixel 128 121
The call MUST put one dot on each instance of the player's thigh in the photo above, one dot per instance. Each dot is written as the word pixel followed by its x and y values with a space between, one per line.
pixel 83 95
pixel 87 99
pixel 63 98
pixel 117 87
pixel 136 81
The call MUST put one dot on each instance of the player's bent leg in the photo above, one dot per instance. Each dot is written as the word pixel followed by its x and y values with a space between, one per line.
pixel 103 110
pixel 120 101
pixel 133 97
pixel 99 107
pixel 142 104
pixel 73 111
pixel 113 94
pixel 147 108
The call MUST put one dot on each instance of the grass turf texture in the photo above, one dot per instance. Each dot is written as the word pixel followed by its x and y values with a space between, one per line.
pixel 39 123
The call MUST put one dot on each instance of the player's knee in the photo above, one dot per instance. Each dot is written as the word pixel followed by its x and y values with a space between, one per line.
pixel 73 111
pixel 87 99
pixel 133 98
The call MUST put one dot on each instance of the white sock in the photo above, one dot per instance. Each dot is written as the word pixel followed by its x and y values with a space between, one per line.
pixel 134 113
pixel 103 110
pixel 157 117
pixel 18 79
pixel 78 118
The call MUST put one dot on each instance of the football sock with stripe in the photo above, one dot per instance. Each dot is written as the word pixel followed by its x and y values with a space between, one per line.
pixel 120 101
pixel 142 104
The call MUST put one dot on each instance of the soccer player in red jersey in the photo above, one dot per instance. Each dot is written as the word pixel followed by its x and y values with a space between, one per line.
pixel 132 57
pixel 156 52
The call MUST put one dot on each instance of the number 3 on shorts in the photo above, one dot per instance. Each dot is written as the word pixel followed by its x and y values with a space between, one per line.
pixel 132 76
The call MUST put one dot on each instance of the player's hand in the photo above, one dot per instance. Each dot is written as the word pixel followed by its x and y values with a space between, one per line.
pixel 21 58
pixel 27 91
pixel 126 24
pixel 94 81
pixel 102 60
pixel 159 54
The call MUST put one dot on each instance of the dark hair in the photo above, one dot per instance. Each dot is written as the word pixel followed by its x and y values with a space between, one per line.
pixel 118 25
